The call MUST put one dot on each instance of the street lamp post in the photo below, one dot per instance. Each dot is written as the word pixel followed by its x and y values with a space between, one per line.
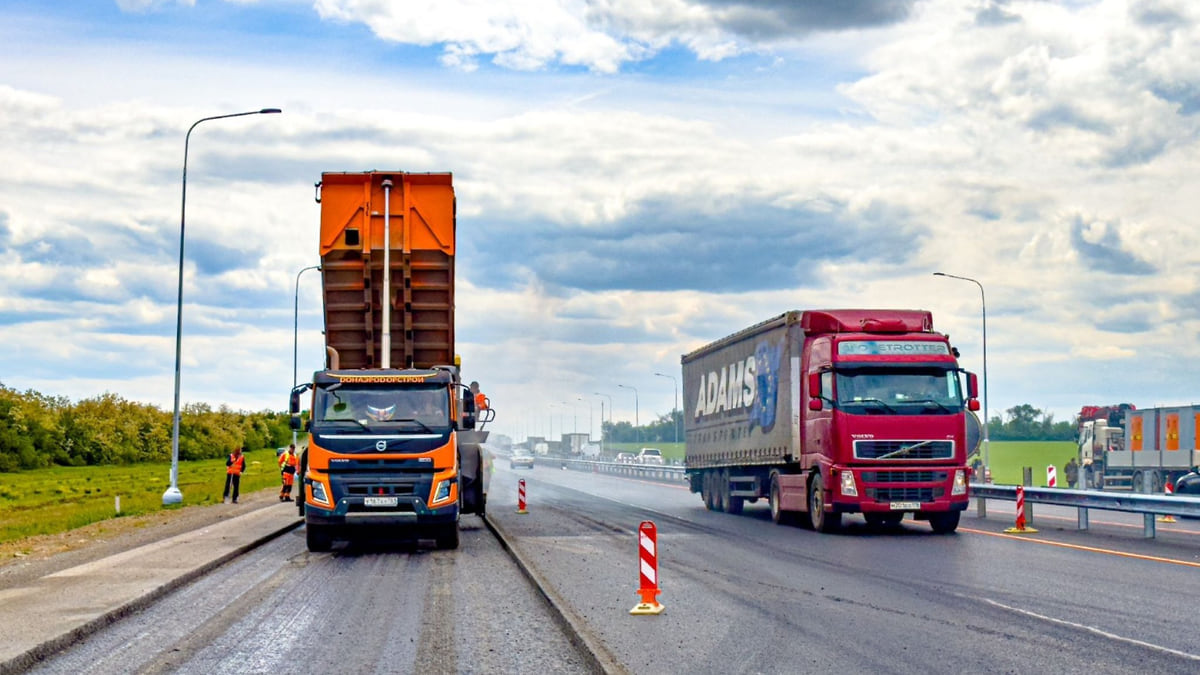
pixel 296 332
pixel 580 398
pixel 637 432
pixel 173 495
pixel 986 421
pixel 596 393
pixel 674 406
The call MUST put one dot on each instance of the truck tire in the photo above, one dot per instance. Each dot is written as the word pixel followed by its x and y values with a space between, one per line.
pixel 732 504
pixel 706 491
pixel 1136 484
pixel 778 515
pixel 447 538
pixel 821 521
pixel 944 523
pixel 318 538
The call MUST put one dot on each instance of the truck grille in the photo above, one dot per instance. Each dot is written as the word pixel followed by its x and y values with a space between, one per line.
pixel 380 490
pixel 923 449
pixel 905 494
pixel 905 476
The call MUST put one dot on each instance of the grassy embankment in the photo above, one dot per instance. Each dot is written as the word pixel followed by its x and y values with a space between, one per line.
pixel 48 501
pixel 1007 458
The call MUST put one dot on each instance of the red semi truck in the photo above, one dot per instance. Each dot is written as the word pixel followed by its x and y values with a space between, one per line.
pixel 827 412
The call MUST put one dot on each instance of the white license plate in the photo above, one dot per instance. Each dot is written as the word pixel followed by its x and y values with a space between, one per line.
pixel 380 501
pixel 906 506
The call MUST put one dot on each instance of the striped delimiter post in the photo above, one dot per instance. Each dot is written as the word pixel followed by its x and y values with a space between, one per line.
pixel 648 570
pixel 521 496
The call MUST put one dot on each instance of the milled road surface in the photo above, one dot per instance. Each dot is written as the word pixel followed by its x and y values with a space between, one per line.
pixel 394 609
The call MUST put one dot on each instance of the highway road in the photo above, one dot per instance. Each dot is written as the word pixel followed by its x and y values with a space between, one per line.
pixel 745 595
pixel 742 595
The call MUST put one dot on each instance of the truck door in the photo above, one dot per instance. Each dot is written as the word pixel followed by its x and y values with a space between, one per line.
pixel 818 424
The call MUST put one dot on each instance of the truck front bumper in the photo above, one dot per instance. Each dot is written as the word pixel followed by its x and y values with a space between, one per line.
pixel 409 512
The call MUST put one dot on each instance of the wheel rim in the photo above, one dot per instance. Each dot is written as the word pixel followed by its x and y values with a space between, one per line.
pixel 775 510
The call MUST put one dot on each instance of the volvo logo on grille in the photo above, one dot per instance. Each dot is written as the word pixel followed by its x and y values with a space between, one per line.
pixel 381 445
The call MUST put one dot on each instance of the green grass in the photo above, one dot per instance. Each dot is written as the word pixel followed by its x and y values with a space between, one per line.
pixel 48 501
pixel 1007 458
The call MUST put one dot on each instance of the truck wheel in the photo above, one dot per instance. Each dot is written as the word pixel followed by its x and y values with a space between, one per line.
pixel 1136 485
pixel 944 523
pixel 821 521
pixel 778 515
pixel 448 537
pixel 706 491
pixel 732 504
pixel 318 538
pixel 721 491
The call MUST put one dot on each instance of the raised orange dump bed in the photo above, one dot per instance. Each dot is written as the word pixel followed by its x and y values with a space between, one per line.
pixel 421 211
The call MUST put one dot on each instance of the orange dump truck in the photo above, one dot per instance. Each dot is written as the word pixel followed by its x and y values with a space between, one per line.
pixel 393 448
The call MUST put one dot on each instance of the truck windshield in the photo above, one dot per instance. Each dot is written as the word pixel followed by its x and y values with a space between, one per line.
pixel 899 391
pixel 363 406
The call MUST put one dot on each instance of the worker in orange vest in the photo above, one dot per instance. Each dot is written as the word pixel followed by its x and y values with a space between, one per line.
pixel 235 464
pixel 287 468
pixel 481 401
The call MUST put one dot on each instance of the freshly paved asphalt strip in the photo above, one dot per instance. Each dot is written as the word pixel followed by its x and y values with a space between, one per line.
pixel 53 611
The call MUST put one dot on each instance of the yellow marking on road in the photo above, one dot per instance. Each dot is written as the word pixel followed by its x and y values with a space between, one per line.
pixel 1080 547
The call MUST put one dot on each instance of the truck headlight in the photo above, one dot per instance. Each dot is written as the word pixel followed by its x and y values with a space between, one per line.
pixel 849 488
pixel 960 483
pixel 318 492
pixel 443 491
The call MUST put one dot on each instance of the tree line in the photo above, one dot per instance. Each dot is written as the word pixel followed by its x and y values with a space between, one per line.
pixel 1019 423
pixel 38 431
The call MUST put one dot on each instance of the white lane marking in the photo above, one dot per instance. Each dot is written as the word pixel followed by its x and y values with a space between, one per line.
pixel 1092 629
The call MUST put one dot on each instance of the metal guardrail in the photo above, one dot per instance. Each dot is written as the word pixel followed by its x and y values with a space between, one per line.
pixel 664 474
pixel 1148 505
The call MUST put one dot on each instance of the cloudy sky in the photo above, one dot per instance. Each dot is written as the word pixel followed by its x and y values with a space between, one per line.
pixel 634 179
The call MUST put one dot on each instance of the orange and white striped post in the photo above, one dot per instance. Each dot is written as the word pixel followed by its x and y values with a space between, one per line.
pixel 1020 527
pixel 521 496
pixel 1168 490
pixel 648 570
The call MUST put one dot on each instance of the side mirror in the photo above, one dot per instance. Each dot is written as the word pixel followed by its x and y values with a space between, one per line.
pixel 972 386
pixel 973 405
pixel 294 423
pixel 815 404
pixel 294 408
pixel 814 385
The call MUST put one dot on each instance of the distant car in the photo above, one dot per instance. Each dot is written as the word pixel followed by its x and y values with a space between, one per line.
pixel 1189 485
pixel 650 456
pixel 521 458
pixel 280 451
pixel 625 458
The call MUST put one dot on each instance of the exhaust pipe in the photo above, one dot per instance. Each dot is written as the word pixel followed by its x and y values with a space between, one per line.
pixel 332 358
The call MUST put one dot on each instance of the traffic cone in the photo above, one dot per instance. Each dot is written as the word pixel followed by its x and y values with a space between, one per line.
pixel 1168 490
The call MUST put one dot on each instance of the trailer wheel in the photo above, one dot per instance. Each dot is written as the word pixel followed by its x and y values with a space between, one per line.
pixel 944 523
pixel 821 521
pixel 1136 484
pixel 447 538
pixel 778 515
pixel 318 537
pixel 720 494
pixel 732 504
pixel 706 491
